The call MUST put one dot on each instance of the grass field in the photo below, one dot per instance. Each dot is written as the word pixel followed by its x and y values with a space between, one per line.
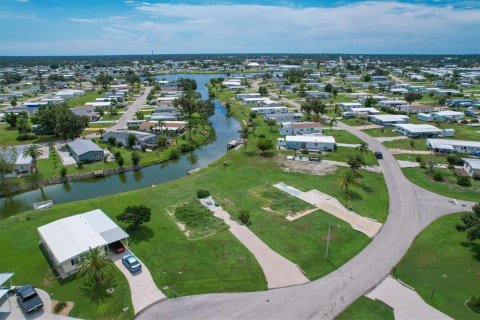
pixel 405 144
pixel 8 137
pixel 278 201
pixel 343 153
pixel 87 97
pixel 382 132
pixel 366 309
pixel 413 157
pixel 342 136
pixel 442 263
pixel 448 188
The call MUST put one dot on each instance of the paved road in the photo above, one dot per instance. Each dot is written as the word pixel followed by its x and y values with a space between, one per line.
pixel 411 210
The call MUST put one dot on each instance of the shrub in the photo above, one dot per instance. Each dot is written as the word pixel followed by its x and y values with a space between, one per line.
pixel 174 154
pixel 464 181
pixel 476 176
pixel 119 144
pixel 474 303
pixel 117 154
pixel 186 147
pixel 438 176
pixel 112 140
pixel 423 164
pixel 418 158
pixel 135 215
pixel 304 151
pixel 120 161
pixel 244 216
pixel 455 160
pixel 59 306
pixel 135 158
pixel 63 172
pixel 201 193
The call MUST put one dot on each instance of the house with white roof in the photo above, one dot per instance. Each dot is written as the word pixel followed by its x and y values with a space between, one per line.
pixel 447 146
pixel 67 240
pixel 314 143
pixel 418 130
pixel 388 119
pixel 285 117
pixel 270 110
pixel 448 115
pixel 300 128
pixel 349 105
pixel 471 166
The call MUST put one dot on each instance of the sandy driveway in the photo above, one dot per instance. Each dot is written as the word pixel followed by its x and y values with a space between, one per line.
pixel 279 271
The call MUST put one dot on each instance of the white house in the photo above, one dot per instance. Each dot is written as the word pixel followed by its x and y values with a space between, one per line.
pixel 425 116
pixel 388 119
pixel 349 105
pixel 253 101
pixel 241 96
pixel 309 142
pixel 357 111
pixel 270 110
pixel 23 164
pixel 418 130
pixel 299 128
pixel 67 240
pixel 285 117
pixel 447 146
pixel 471 166
pixel 393 104
pixel 448 115
pixel 318 94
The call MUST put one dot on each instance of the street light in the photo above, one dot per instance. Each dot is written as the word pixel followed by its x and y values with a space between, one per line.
pixel 328 237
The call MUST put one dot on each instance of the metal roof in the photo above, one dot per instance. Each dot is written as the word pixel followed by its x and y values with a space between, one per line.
pixel 81 146
pixel 4 277
pixel 419 128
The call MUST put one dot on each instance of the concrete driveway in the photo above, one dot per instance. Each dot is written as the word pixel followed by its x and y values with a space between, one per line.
pixel 16 313
pixel 143 290
pixel 62 151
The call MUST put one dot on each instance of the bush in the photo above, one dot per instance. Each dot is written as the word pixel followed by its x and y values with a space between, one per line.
pixel 201 193
pixel 119 144
pixel 476 176
pixel 120 161
pixel 112 140
pixel 59 306
pixel 304 151
pixel 244 216
pixel 474 303
pixel 464 181
pixel 174 154
pixel 63 172
pixel 455 160
pixel 418 158
pixel 438 176
pixel 117 154
pixel 135 158
pixel 186 147
pixel 423 164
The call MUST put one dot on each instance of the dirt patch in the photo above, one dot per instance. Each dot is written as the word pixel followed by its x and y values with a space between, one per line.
pixel 315 168
pixel 47 281
pixel 66 310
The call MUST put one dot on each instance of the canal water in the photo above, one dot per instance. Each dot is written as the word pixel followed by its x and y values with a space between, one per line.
pixel 225 128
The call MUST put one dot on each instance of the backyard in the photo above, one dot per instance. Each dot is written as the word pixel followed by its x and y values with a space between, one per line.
pixel 443 269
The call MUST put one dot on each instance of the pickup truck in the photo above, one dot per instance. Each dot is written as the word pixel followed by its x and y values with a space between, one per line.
pixel 28 298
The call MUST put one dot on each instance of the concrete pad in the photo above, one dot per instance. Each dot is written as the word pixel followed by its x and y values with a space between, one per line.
pixel 401 151
pixel 375 169
pixel 279 271
pixel 348 145
pixel 62 151
pixel 406 303
pixel 368 126
pixel 143 290
pixel 384 139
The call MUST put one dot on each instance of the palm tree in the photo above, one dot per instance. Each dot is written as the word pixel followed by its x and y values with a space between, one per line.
pixel 101 133
pixel 35 152
pixel 244 133
pixel 363 148
pixel 347 179
pixel 95 266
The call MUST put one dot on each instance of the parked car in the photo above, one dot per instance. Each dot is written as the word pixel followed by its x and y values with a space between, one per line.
pixel 378 155
pixel 28 299
pixel 131 263
pixel 117 247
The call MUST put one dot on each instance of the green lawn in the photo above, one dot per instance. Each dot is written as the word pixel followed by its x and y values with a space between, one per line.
pixel 405 144
pixel 278 201
pixel 198 220
pixel 87 97
pixel 8 137
pixel 413 157
pixel 448 188
pixel 355 122
pixel 382 132
pixel 343 153
pixel 366 309
pixel 342 136
pixel 443 264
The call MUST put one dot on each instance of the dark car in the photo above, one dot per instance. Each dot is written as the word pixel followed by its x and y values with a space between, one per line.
pixel 28 299
pixel 131 262
pixel 117 247
pixel 378 155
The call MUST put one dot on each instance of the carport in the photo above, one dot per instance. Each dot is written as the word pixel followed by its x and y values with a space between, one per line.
pixel 4 277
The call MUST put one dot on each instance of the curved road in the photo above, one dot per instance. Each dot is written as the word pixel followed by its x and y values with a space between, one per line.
pixel 411 210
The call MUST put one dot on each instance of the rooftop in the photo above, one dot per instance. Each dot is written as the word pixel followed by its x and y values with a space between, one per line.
pixel 81 146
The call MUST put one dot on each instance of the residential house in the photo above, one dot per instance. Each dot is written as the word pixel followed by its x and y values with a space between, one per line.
pixel 300 128
pixel 318 94
pixel 349 105
pixel 87 111
pixel 144 139
pixel 388 119
pixel 418 130
pixel 67 241
pixel 448 115
pixel 270 110
pixel 84 150
pixel 316 143
pixel 23 164
pixel 446 146
pixel 285 117
pixel 471 166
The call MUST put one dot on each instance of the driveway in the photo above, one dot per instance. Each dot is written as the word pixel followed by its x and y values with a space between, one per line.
pixel 406 303
pixel 62 151
pixel 279 271
pixel 16 313
pixel 143 289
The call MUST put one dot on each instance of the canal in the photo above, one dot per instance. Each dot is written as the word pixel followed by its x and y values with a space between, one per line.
pixel 225 128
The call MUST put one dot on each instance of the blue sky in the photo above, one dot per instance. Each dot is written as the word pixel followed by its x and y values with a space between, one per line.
pixel 67 27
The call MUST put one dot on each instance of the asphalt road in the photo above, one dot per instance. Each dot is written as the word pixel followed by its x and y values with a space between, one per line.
pixel 130 112
pixel 411 210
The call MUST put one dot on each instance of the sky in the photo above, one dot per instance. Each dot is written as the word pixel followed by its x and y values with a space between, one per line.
pixel 98 27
